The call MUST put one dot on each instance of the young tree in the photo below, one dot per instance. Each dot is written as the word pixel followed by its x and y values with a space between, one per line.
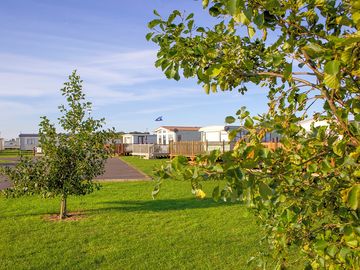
pixel 305 54
pixel 71 159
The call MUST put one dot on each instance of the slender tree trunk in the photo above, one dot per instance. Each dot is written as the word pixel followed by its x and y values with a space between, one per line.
pixel 63 212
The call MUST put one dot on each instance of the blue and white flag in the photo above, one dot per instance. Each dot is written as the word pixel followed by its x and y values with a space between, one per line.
pixel 159 118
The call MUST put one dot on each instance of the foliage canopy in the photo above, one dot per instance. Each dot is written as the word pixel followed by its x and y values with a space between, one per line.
pixel 71 159
pixel 306 54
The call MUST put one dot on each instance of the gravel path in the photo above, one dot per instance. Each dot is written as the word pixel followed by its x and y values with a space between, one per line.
pixel 118 170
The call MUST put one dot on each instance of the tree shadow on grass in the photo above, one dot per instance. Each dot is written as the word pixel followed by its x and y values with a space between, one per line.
pixel 159 205
pixel 21 215
pixel 136 206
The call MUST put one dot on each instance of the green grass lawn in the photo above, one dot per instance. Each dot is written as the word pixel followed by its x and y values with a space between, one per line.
pixel 14 153
pixel 6 161
pixel 123 228
pixel 144 165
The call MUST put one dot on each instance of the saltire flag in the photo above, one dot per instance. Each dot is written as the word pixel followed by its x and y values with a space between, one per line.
pixel 159 118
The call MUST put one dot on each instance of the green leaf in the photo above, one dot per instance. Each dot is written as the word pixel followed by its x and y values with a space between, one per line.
pixel 301 98
pixel 248 14
pixel 190 16
pixel 312 168
pixel 218 168
pixel 356 173
pixel 313 49
pixel 173 15
pixel 207 88
pixel 321 133
pixel 154 23
pixel 214 11
pixel 213 87
pixel 339 147
pixel 356 17
pixel 331 251
pixel 214 71
pixel 259 20
pixel 346 55
pixel 177 75
pixel 277 59
pixel 325 166
pixel 249 123
pixel 353 200
pixel 148 36
pixel 231 6
pixel 264 35
pixel 263 152
pixel 230 119
pixel 251 31
pixel 320 245
pixel 244 114
pixel 353 243
pixel 332 81
pixel 241 17
pixel 190 24
pixel 332 67
pixel 205 3
pixel 265 191
pixel 288 71
pixel 343 253
pixel 170 72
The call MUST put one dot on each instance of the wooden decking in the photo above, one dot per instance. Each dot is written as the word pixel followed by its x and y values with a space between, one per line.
pixel 192 149
pixel 184 148
pixel 150 150
pixel 143 150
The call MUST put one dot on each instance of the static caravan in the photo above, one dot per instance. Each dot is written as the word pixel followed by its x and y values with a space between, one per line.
pixel 29 141
pixel 217 137
pixel 139 138
pixel 216 133
pixel 12 144
pixel 166 134
pixel 306 124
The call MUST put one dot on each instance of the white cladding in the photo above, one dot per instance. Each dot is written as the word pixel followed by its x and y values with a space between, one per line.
pixel 306 124
pixel 216 133
pixel 29 141
pixel 139 138
pixel 164 135
pixel 12 144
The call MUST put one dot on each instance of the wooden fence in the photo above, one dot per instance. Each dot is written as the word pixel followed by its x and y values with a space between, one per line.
pixel 122 149
pixel 143 150
pixel 184 148
pixel 150 150
pixel 272 145
pixel 192 148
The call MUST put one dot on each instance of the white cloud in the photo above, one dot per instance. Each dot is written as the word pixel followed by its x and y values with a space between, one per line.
pixel 30 76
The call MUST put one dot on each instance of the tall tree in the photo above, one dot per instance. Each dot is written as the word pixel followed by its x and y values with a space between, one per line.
pixel 305 54
pixel 72 159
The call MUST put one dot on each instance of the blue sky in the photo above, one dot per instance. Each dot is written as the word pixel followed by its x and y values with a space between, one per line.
pixel 42 41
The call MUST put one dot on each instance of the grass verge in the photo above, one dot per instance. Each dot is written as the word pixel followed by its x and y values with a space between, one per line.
pixel 144 165
pixel 123 228
pixel 14 153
